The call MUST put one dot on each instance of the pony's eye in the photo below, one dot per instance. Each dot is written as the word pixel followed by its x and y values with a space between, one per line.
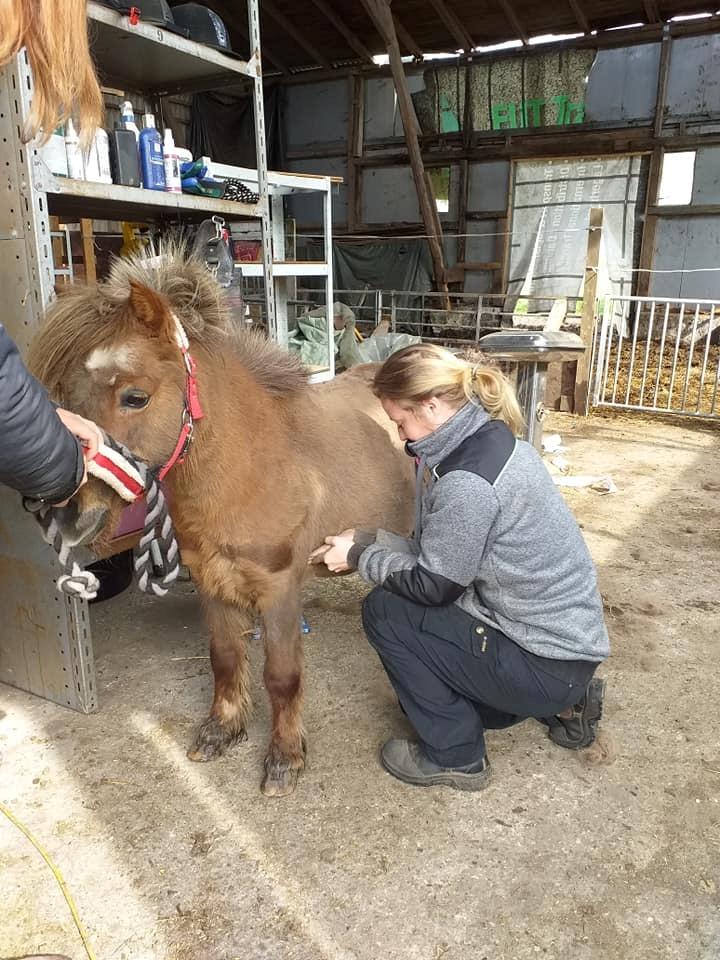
pixel 135 399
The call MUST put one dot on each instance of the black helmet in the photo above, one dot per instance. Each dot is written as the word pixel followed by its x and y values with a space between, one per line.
pixel 203 25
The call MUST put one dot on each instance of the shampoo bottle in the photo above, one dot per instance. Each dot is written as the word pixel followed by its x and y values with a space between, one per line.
pixel 173 182
pixel 127 118
pixel 151 155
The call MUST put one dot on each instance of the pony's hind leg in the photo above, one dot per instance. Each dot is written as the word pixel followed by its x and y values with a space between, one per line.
pixel 230 628
pixel 283 680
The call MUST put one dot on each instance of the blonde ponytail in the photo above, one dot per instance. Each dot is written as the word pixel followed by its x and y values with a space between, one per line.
pixel 497 395
pixel 426 370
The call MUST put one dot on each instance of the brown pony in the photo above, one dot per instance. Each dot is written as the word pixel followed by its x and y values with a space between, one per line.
pixel 275 465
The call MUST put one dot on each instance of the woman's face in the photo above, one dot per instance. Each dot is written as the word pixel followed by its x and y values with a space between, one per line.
pixel 420 421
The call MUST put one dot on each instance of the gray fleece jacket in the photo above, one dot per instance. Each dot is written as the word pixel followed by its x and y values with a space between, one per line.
pixel 494 535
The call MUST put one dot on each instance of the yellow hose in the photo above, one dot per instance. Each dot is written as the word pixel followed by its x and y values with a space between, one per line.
pixel 58 876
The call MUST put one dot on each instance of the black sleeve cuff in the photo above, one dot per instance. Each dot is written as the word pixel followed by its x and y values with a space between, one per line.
pixel 354 554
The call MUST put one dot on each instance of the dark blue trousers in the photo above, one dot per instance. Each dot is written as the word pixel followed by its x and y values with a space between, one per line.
pixel 456 676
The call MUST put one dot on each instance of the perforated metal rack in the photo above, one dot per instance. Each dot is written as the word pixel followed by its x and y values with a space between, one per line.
pixel 45 639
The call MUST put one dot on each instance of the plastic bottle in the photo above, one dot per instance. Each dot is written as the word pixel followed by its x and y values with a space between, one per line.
pixel 76 167
pixel 151 155
pixel 127 118
pixel 124 157
pixel 173 182
pixel 102 142
pixel 97 159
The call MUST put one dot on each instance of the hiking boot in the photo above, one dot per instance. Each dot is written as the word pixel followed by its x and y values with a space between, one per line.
pixel 579 730
pixel 406 760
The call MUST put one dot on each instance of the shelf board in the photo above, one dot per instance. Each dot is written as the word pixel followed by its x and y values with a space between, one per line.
pixel 108 201
pixel 286 268
pixel 146 58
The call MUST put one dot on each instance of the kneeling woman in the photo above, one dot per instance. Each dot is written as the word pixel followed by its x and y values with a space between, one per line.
pixel 491 613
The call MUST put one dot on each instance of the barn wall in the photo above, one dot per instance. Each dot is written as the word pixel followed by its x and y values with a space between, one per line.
pixel 620 92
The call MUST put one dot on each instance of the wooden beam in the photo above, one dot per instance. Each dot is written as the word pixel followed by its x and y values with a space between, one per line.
pixel 694 210
pixel 454 25
pixel 292 30
pixel 379 12
pixel 582 376
pixel 88 242
pixel 652 11
pixel 407 40
pixel 514 22
pixel 647 244
pixel 663 74
pixel 582 20
pixel 354 151
pixel 352 41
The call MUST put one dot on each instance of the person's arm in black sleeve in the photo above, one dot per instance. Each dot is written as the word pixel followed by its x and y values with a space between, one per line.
pixel 39 456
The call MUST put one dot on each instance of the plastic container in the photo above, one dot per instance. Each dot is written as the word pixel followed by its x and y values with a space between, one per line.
pixel 152 166
pixel 97 159
pixel 124 160
pixel 127 119
pixel 76 166
pixel 173 181
pixel 54 155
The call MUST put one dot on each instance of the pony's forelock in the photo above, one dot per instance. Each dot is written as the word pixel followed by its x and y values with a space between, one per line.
pixel 85 318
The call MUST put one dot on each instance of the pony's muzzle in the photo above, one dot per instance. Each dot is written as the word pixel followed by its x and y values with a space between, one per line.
pixel 80 528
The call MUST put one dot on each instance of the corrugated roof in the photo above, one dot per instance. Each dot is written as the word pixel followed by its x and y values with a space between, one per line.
pixel 312 33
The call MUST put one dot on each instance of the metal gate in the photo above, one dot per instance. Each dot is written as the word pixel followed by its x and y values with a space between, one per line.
pixel 658 355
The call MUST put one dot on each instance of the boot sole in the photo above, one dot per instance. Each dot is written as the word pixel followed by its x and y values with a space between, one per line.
pixel 593 715
pixel 459 781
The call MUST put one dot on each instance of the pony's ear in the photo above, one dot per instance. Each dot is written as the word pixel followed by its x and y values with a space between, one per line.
pixel 151 309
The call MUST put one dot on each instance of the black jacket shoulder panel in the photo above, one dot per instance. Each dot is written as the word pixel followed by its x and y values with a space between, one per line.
pixel 484 453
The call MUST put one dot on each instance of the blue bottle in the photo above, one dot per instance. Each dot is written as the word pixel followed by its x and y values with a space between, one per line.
pixel 152 166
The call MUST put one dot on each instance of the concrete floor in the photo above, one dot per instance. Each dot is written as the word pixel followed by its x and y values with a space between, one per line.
pixel 607 855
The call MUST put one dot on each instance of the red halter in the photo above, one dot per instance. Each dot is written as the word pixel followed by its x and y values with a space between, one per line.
pixel 193 410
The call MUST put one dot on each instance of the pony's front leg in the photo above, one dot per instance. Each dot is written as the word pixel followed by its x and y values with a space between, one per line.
pixel 283 680
pixel 230 628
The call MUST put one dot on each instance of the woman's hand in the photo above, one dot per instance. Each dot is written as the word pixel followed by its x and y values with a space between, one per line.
pixel 90 436
pixel 87 432
pixel 334 552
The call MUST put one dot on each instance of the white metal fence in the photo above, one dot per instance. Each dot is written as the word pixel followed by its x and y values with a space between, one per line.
pixel 658 355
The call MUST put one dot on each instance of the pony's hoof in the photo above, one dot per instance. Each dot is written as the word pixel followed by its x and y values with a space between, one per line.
pixel 213 740
pixel 279 782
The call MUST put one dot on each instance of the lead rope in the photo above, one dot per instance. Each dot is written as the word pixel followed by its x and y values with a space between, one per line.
pixel 158 548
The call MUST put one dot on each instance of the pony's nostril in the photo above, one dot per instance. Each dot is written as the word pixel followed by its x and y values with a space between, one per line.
pixel 80 528
pixel 66 517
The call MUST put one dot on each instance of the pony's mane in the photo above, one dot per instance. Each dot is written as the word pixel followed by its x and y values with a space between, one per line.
pixel 86 317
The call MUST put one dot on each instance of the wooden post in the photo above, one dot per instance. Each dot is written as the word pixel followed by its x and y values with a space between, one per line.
pixel 355 151
pixel 647 246
pixel 592 261
pixel 379 11
pixel 88 242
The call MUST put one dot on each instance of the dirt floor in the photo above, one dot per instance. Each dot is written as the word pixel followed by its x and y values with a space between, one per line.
pixel 612 854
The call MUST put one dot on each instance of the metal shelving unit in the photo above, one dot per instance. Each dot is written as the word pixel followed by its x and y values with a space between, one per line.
pixel 284 271
pixel 45 643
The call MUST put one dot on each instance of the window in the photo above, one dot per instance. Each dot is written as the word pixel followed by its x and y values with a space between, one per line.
pixel 676 179
pixel 440 178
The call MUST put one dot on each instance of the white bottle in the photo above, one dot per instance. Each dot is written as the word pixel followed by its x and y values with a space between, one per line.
pixel 76 167
pixel 127 118
pixel 97 159
pixel 173 181
pixel 102 145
